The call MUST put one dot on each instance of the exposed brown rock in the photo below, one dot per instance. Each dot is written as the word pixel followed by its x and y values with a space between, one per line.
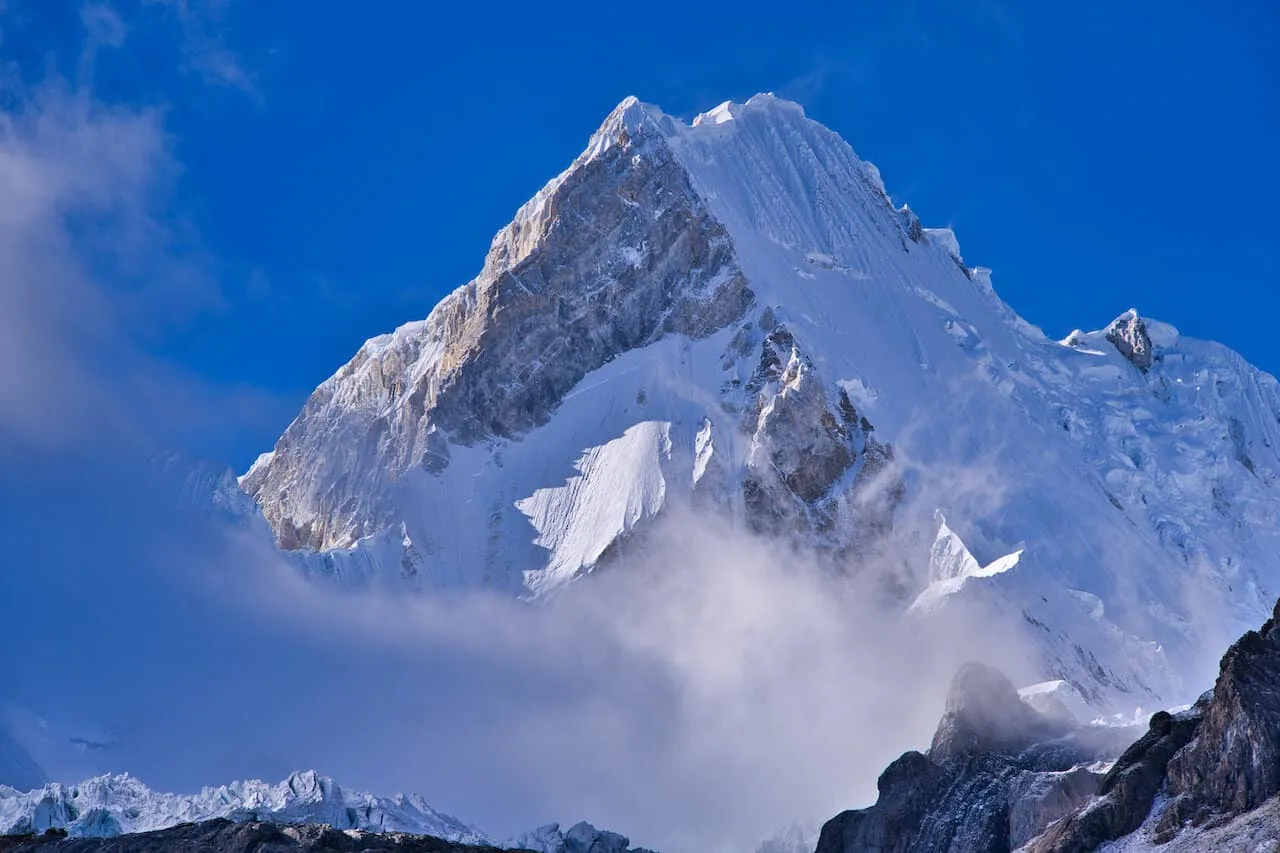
pixel 556 299
pixel 1128 334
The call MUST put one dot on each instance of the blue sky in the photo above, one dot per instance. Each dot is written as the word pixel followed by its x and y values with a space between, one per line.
pixel 328 175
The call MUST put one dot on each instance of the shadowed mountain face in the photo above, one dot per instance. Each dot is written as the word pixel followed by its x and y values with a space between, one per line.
pixel 999 776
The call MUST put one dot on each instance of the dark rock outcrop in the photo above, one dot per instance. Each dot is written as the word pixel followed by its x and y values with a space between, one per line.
pixel 998 772
pixel 813 457
pixel 984 714
pixel 1233 765
pixel 1000 776
pixel 224 836
pixel 1127 792
pixel 1216 762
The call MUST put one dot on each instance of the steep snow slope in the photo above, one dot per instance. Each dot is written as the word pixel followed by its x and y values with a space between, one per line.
pixel 113 805
pixel 732 314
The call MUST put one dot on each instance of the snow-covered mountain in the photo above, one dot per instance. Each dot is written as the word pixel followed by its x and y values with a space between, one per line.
pixel 118 804
pixel 111 805
pixel 731 315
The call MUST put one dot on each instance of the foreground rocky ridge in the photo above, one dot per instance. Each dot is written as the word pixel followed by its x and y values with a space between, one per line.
pixel 1001 776
pixel 225 836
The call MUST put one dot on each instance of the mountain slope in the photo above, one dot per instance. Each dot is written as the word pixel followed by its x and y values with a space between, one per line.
pixel 732 316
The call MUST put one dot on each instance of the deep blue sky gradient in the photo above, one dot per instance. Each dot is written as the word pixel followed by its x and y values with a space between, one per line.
pixel 1095 155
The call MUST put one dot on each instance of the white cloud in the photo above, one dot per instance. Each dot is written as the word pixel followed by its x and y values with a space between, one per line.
pixel 698 698
pixel 69 168
pixel 95 261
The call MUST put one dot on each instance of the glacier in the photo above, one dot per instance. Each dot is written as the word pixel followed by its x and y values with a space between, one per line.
pixel 731 315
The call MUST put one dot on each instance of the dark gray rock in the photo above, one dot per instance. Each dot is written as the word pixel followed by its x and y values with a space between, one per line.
pixel 998 772
pixel 1036 800
pixel 1218 761
pixel 1233 765
pixel 1001 776
pixel 1127 792
pixel 984 714
pixel 813 456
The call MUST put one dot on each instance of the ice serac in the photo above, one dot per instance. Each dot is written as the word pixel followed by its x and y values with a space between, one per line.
pixel 731 315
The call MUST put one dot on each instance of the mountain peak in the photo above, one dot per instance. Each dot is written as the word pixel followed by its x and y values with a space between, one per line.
pixel 730 314
pixel 629 119
pixel 761 102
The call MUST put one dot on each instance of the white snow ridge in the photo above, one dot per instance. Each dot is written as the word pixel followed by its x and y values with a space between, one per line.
pixel 749 326
pixel 117 804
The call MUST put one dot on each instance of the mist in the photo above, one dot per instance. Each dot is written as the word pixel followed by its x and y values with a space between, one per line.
pixel 698 697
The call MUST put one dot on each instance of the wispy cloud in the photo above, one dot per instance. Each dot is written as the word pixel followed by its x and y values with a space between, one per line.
pixel 95 261
pixel 205 48
pixel 67 164
pixel 711 691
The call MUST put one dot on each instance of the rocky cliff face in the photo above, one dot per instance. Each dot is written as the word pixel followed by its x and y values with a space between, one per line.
pixel 999 776
pixel 997 773
pixel 1233 764
pixel 614 254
